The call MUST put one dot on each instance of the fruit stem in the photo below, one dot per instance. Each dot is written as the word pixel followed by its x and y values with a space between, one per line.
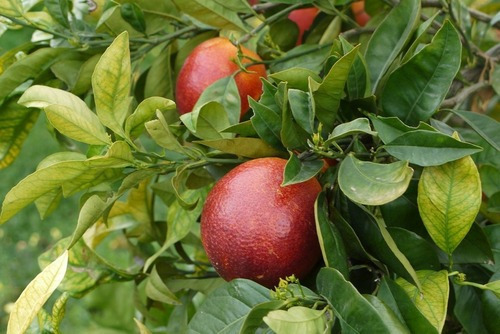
pixel 268 21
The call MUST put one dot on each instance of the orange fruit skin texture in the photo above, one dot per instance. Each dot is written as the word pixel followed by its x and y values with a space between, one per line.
pixel 211 61
pixel 358 9
pixel 304 18
pixel 253 228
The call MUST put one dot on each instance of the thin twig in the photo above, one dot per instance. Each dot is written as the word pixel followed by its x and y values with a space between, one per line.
pixel 460 97
pixel 480 16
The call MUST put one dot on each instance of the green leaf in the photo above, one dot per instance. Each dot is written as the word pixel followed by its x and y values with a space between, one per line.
pixel 295 77
pixel 428 148
pixel 36 294
pixel 214 13
pixel 297 320
pixel 490 179
pixel 159 79
pixel 356 314
pixel 328 93
pixel 27 68
pixel 390 128
pixel 146 110
pixel 207 121
pixel 420 252
pixel 255 317
pixel 474 248
pixel 467 298
pixel 432 298
pixel 373 183
pixel 81 126
pixel 449 197
pixel 308 56
pixel 485 126
pixel 297 171
pixel 245 147
pixel 302 109
pixel 292 135
pixel 389 39
pixel 58 9
pixel 330 239
pixel 16 122
pixel 377 240
pixel 134 15
pixel 396 298
pixel 12 8
pixel 157 290
pixel 204 285
pixel 357 126
pixel 244 129
pixel 111 84
pixel 267 123
pixel 226 93
pixel 358 82
pixel 425 78
pixel 225 309
pixel 83 80
pixel 161 134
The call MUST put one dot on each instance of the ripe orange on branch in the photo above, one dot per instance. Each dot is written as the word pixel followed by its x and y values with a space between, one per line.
pixel 213 60
pixel 253 228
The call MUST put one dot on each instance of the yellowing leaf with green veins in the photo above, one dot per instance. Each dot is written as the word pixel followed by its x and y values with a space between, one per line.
pixel 296 320
pixel 111 84
pixel 15 124
pixel 449 197
pixel 42 96
pixel 11 7
pixel 36 294
pixel 76 126
pixel 432 299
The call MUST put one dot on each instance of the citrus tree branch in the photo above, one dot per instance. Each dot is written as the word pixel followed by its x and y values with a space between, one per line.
pixel 463 94
pixel 478 15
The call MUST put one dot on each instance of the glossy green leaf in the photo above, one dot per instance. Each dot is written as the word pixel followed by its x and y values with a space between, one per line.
pixel 302 109
pixel 357 126
pixel 162 135
pixel 293 136
pixel 267 123
pixel 389 128
pixel 157 290
pixel 111 83
pixel 386 313
pixel 12 7
pixel 245 147
pixel 328 93
pixel 83 81
pixel 225 309
pixel 213 13
pixel 58 9
pixel 255 317
pixel 449 197
pixel 373 183
pixel 428 148
pixel 36 294
pixel 377 240
pixel 308 56
pixel 356 314
pixel 297 320
pixel 207 121
pixel 295 77
pixel 16 122
pixel 389 39
pixel 134 15
pixel 358 82
pixel 474 248
pixel 466 299
pixel 226 93
pixel 421 36
pixel 27 68
pixel 160 77
pixel 485 126
pixel 330 239
pixel 420 252
pixel 244 129
pixel 425 78
pixel 395 297
pixel 432 298
pixel 297 171
pixel 144 112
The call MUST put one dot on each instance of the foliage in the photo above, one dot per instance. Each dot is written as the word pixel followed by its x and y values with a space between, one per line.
pixel 404 113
